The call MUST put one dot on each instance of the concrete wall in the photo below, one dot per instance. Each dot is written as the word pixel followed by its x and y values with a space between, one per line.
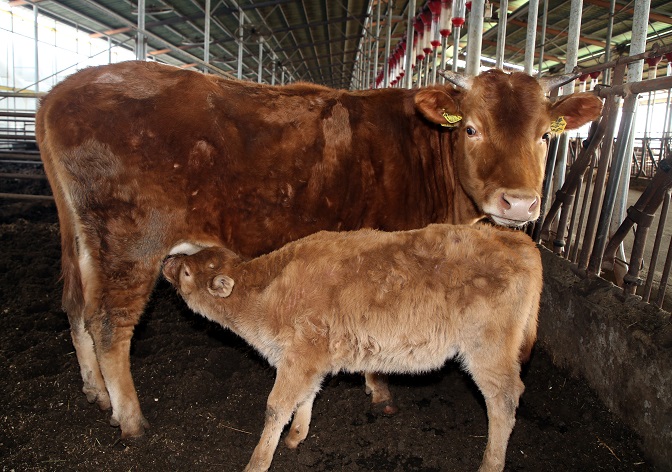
pixel 623 348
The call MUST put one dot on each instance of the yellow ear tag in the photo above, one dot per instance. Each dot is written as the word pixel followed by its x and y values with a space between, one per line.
pixel 558 126
pixel 452 120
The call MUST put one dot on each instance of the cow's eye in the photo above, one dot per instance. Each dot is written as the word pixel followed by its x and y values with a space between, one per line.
pixel 471 131
pixel 546 137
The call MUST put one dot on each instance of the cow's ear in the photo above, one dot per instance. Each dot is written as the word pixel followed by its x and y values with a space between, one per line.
pixel 221 286
pixel 576 110
pixel 436 105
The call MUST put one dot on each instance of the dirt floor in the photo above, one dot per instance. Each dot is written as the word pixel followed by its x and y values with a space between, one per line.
pixel 204 391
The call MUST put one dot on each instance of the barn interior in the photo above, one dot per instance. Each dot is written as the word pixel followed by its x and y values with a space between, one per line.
pixel 605 241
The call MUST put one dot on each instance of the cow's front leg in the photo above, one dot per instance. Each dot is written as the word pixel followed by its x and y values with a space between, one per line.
pixel 381 398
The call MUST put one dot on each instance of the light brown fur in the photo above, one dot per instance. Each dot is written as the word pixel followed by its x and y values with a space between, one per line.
pixel 369 301
pixel 143 158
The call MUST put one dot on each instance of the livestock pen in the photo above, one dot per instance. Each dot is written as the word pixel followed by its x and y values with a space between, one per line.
pixel 599 385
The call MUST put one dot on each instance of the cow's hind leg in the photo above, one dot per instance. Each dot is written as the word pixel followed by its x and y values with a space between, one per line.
pixel 74 304
pixel 94 384
pixel 294 386
pixel 381 398
pixel 112 329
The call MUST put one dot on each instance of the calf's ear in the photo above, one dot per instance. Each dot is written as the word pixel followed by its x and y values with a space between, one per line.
pixel 576 110
pixel 435 105
pixel 221 286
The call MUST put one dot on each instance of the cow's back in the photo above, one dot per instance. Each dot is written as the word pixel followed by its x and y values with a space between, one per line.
pixel 215 161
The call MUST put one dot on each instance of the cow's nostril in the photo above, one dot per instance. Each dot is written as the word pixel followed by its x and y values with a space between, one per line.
pixel 534 205
pixel 504 202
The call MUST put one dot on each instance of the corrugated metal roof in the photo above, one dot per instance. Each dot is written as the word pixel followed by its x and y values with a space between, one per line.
pixel 318 40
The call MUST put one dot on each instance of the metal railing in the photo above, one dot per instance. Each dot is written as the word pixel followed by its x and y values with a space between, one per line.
pixel 578 224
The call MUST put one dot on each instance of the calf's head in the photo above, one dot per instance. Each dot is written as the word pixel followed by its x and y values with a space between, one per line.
pixel 203 272
pixel 502 126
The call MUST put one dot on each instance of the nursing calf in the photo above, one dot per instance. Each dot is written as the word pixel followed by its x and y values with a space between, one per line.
pixel 370 301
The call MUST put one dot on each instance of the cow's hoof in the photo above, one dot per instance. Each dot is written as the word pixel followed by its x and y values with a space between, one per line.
pixel 384 408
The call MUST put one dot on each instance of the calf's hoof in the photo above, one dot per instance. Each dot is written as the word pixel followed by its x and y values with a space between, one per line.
pixel 384 408
pixel 102 399
pixel 293 439
pixel 131 430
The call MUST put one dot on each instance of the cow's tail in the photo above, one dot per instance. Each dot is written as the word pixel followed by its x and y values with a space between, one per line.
pixel 73 295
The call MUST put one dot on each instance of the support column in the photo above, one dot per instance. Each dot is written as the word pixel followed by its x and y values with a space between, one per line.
pixel 376 45
pixel 141 41
pixel 206 39
pixel 241 24
pixel 475 39
pixel 260 71
pixel 574 31
pixel 530 41
pixel 388 44
pixel 409 43
pixel 37 53
pixel 640 24
pixel 542 43
pixel 501 33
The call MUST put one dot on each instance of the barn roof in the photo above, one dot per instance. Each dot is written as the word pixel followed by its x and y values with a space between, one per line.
pixel 319 40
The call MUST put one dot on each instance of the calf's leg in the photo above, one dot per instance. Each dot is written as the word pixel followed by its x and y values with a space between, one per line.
pixel 294 386
pixel 501 386
pixel 381 398
pixel 300 424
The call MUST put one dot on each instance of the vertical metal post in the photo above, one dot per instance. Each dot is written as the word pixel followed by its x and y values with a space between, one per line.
pixel 456 46
pixel 388 45
pixel 501 34
pixel 475 37
pixel 627 120
pixel 531 38
pixel 241 24
pixel 260 71
pixel 606 76
pixel 444 54
pixel 640 24
pixel 282 75
pixel 542 42
pixel 206 40
pixel 571 61
pixel 109 49
pixel 141 45
pixel 37 55
pixel 409 43
pixel 377 45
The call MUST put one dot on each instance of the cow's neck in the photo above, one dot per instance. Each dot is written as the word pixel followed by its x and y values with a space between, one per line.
pixel 445 198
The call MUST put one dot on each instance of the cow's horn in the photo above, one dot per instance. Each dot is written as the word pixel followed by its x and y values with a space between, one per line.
pixel 459 80
pixel 551 82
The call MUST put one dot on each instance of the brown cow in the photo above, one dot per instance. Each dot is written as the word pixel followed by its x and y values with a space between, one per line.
pixel 145 160
pixel 369 301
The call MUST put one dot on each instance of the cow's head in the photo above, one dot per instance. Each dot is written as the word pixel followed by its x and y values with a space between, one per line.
pixel 503 124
